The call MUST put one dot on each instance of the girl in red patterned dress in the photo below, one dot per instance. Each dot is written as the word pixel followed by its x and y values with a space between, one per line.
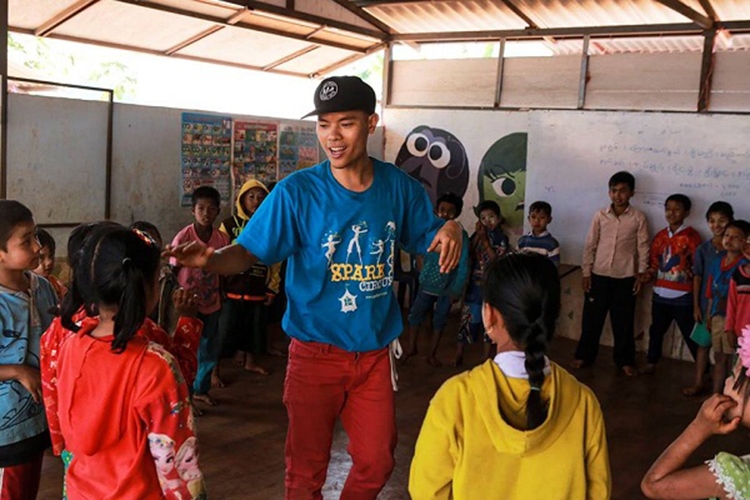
pixel 119 396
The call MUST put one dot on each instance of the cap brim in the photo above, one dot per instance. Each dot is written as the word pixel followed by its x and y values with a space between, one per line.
pixel 311 113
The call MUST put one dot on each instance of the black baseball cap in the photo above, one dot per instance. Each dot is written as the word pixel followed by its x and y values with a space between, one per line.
pixel 343 93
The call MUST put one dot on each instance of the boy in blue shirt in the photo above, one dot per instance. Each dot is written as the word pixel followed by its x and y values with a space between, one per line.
pixel 339 223
pixel 538 240
pixel 25 303
pixel 436 289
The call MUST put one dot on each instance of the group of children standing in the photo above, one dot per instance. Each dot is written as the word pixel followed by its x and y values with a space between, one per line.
pixel 439 291
pixel 107 337
pixel 231 304
pixel 103 363
pixel 700 286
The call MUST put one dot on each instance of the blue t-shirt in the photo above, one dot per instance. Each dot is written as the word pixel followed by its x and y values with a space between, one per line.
pixel 705 257
pixel 23 319
pixel 341 245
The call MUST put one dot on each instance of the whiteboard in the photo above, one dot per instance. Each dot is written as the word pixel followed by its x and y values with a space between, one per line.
pixel 572 155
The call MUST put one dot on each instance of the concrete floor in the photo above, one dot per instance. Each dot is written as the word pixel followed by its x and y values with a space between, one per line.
pixel 242 439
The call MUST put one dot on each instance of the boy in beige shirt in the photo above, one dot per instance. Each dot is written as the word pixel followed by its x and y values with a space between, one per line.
pixel 615 260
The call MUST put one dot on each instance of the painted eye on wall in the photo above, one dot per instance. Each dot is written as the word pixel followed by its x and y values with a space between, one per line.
pixel 440 155
pixel 504 186
pixel 417 144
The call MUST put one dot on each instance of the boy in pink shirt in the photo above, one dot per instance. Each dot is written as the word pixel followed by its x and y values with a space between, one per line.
pixel 206 205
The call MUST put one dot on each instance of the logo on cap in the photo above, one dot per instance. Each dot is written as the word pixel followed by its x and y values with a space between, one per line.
pixel 329 91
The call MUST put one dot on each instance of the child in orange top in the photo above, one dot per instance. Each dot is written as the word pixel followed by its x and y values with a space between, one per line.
pixel 182 343
pixel 47 262
pixel 110 377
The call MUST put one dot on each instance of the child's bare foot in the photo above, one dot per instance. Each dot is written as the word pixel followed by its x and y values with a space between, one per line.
pixel 630 371
pixel 578 364
pixel 695 390
pixel 649 368
pixel 216 382
pixel 433 361
pixel 256 369
pixel 204 398
pixel 239 358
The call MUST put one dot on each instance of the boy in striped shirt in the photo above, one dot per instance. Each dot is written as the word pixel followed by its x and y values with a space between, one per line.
pixel 538 240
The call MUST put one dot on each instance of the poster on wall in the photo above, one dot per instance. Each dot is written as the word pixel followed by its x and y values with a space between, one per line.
pixel 206 153
pixel 298 148
pixel 255 152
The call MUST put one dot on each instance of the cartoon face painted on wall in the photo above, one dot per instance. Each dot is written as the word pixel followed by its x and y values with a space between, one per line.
pixel 437 159
pixel 502 177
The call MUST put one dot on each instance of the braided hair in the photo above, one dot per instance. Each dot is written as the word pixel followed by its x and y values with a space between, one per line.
pixel 525 290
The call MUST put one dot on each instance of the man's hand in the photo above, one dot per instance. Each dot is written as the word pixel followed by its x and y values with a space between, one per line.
pixel 31 379
pixel 191 254
pixel 448 241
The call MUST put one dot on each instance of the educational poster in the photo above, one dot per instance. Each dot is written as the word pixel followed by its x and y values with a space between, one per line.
pixel 206 152
pixel 255 152
pixel 298 148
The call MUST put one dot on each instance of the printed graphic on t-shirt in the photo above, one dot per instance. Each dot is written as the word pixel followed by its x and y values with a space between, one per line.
pixel 20 404
pixel 360 268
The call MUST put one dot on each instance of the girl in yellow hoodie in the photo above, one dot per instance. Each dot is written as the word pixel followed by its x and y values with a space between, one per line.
pixel 517 426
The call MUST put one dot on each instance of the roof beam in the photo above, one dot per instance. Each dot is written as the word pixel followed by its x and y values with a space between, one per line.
pixel 242 25
pixel 63 16
pixel 518 12
pixel 159 53
pixel 688 12
pixel 708 62
pixel 288 58
pixel 193 39
pixel 210 31
pixel 365 16
pixel 347 61
pixel 575 32
pixel 710 12
pixel 310 18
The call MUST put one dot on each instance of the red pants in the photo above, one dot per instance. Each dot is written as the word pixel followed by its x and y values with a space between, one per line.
pixel 21 482
pixel 323 383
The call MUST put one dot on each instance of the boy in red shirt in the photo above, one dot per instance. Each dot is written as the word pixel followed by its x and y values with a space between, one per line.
pixel 672 255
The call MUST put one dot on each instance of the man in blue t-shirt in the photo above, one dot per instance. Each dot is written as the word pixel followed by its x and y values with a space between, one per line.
pixel 340 225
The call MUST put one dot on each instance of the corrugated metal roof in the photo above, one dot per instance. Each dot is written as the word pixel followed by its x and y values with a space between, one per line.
pixel 320 35
pixel 485 18
pixel 251 34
